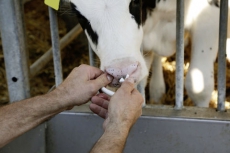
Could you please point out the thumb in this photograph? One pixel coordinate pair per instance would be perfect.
(103, 80)
(127, 86)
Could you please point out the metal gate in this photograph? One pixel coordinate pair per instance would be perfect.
(161, 128)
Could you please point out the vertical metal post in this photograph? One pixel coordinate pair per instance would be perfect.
(91, 56)
(141, 89)
(222, 54)
(14, 49)
(55, 46)
(141, 85)
(179, 54)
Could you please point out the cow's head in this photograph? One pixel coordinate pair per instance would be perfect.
(114, 30)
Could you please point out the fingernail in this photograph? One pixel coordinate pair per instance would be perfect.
(109, 77)
(131, 80)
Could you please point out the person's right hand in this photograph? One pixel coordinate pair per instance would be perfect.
(81, 85)
(124, 108)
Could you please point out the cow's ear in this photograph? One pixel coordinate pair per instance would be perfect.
(135, 10)
(85, 24)
(149, 3)
(147, 8)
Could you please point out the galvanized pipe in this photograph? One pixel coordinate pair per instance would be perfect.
(141, 85)
(56, 47)
(179, 54)
(222, 54)
(39, 64)
(14, 49)
(141, 89)
(91, 56)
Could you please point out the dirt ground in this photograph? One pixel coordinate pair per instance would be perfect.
(38, 42)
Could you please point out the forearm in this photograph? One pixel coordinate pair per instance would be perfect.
(113, 140)
(19, 117)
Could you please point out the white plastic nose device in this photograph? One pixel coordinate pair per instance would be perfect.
(109, 92)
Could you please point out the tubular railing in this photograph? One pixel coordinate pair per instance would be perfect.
(15, 53)
(222, 55)
(179, 54)
(11, 26)
(14, 48)
(56, 47)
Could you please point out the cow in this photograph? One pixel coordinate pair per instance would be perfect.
(118, 29)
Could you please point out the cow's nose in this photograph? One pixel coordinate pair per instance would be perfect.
(121, 72)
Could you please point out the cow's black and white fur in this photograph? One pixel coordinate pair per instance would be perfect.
(116, 29)
(116, 25)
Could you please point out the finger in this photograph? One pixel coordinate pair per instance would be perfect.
(104, 103)
(94, 72)
(98, 110)
(126, 87)
(102, 81)
(136, 92)
(104, 96)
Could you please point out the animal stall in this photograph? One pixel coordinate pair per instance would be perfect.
(160, 129)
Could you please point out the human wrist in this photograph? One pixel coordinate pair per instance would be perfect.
(118, 129)
(112, 140)
(58, 98)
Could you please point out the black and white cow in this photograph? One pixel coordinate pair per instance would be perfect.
(116, 30)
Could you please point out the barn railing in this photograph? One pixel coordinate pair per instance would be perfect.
(18, 72)
(14, 48)
(55, 47)
(180, 55)
(150, 133)
(15, 53)
(222, 55)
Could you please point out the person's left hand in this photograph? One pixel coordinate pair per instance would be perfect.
(82, 84)
(100, 104)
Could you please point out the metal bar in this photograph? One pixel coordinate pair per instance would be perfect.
(169, 112)
(56, 47)
(14, 48)
(180, 54)
(141, 89)
(44, 59)
(91, 56)
(222, 54)
(141, 85)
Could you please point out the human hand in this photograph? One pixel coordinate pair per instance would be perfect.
(124, 108)
(81, 84)
(100, 104)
